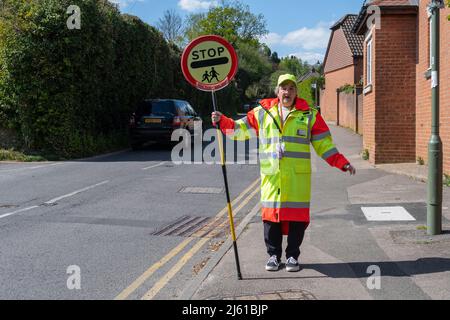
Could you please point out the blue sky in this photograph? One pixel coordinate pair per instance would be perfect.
(296, 27)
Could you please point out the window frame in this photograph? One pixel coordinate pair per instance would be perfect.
(369, 61)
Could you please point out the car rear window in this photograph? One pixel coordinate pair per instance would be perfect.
(163, 107)
(156, 107)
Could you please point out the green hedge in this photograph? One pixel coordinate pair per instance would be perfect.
(70, 92)
(306, 92)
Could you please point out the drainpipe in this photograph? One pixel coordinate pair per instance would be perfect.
(357, 110)
(337, 108)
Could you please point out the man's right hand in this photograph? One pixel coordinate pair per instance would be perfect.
(215, 117)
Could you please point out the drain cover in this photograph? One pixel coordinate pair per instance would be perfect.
(198, 227)
(8, 206)
(201, 190)
(277, 295)
(387, 214)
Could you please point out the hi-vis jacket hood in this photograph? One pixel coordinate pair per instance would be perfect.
(286, 182)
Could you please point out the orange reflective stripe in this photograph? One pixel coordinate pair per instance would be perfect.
(287, 214)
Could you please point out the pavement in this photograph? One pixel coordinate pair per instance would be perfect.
(344, 255)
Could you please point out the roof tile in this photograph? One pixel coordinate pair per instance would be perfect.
(355, 41)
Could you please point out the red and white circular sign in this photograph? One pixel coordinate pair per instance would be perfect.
(209, 63)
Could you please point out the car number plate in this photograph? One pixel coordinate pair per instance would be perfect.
(152, 120)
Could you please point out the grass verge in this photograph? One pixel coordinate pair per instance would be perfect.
(13, 155)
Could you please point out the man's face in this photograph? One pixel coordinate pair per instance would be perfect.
(287, 93)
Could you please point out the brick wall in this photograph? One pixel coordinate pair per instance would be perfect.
(333, 81)
(423, 93)
(339, 53)
(347, 111)
(349, 105)
(359, 70)
(445, 87)
(389, 110)
(361, 113)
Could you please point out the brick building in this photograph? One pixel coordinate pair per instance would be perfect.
(343, 65)
(389, 80)
(423, 83)
(397, 84)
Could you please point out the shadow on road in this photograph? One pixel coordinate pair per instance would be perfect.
(354, 270)
(163, 152)
(388, 268)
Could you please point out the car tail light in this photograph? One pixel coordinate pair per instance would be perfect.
(176, 122)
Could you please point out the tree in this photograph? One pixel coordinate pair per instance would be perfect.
(295, 66)
(70, 92)
(306, 92)
(448, 5)
(274, 58)
(231, 20)
(171, 26)
(254, 66)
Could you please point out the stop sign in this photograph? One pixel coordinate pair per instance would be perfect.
(209, 63)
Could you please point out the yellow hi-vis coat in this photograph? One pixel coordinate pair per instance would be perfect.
(286, 178)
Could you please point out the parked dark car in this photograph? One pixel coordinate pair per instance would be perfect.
(156, 119)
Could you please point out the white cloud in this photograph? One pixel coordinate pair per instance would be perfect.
(196, 5)
(271, 39)
(305, 38)
(125, 3)
(310, 57)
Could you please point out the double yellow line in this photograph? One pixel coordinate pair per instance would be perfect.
(175, 251)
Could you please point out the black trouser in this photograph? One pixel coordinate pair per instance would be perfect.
(273, 237)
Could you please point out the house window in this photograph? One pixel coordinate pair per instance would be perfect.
(369, 62)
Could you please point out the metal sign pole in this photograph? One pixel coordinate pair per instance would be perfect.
(224, 170)
(435, 172)
(215, 52)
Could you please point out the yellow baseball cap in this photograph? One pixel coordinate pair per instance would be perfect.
(287, 77)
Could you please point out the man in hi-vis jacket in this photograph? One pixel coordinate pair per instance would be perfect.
(286, 127)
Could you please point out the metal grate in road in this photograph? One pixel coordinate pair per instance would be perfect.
(8, 206)
(183, 227)
(199, 227)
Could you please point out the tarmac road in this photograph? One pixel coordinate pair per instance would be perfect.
(113, 227)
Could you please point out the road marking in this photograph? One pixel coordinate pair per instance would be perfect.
(32, 168)
(225, 210)
(244, 203)
(54, 200)
(18, 211)
(138, 282)
(156, 165)
(173, 271)
(76, 192)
